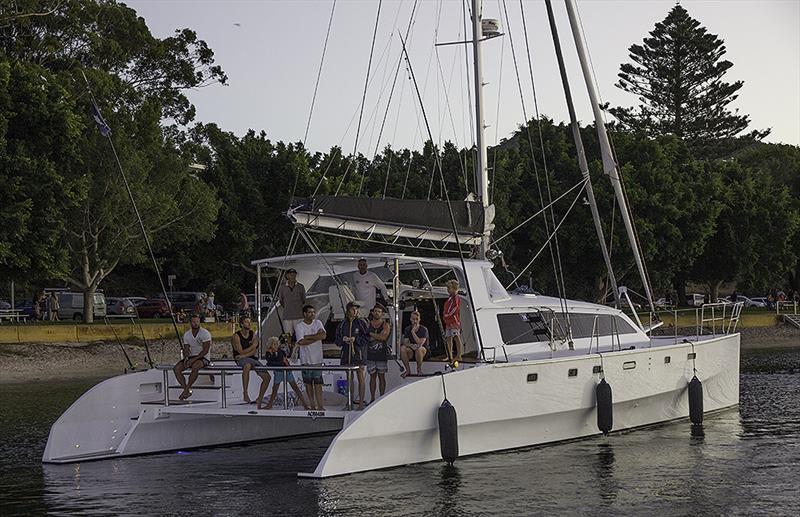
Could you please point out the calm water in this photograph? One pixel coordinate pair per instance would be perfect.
(747, 463)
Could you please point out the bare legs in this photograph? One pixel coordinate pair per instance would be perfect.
(196, 365)
(381, 378)
(406, 353)
(314, 391)
(246, 381)
(459, 346)
(274, 393)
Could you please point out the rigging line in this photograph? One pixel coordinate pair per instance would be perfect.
(544, 158)
(550, 236)
(141, 223)
(394, 136)
(394, 81)
(336, 150)
(364, 95)
(449, 206)
(526, 221)
(319, 72)
(452, 121)
(530, 144)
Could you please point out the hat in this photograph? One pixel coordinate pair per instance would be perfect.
(352, 304)
(380, 306)
(291, 270)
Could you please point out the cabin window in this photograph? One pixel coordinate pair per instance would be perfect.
(691, 355)
(533, 377)
(523, 327)
(629, 365)
(597, 369)
(573, 372)
(667, 360)
(533, 327)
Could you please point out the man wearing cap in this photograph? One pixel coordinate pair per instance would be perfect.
(365, 283)
(352, 336)
(292, 297)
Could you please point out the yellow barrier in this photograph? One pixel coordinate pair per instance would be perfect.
(33, 333)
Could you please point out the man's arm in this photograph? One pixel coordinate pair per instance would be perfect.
(302, 292)
(319, 336)
(383, 335)
(339, 338)
(381, 286)
(237, 345)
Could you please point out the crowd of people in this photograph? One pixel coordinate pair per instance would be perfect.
(363, 337)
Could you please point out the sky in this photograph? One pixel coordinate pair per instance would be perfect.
(271, 52)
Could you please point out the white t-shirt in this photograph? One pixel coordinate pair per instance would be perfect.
(309, 354)
(364, 288)
(196, 342)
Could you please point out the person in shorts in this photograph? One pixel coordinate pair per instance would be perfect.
(378, 350)
(414, 344)
(309, 333)
(451, 317)
(245, 351)
(275, 355)
(196, 352)
(352, 336)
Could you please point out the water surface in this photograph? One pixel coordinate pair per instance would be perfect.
(747, 463)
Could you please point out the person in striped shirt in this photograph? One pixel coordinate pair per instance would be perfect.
(451, 318)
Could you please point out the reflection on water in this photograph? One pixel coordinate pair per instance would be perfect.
(746, 463)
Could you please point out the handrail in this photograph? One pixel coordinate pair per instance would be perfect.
(225, 369)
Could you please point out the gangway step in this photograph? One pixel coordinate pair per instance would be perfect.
(792, 319)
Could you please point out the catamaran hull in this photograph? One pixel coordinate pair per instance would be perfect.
(511, 405)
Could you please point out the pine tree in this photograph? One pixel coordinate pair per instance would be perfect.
(677, 74)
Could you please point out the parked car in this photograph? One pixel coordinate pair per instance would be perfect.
(266, 301)
(120, 307)
(761, 300)
(748, 302)
(185, 300)
(153, 308)
(663, 303)
(695, 299)
(136, 300)
(71, 305)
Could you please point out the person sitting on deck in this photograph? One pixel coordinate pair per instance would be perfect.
(245, 350)
(452, 320)
(309, 333)
(277, 356)
(414, 345)
(378, 350)
(352, 336)
(196, 352)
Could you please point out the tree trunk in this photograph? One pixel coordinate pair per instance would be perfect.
(679, 284)
(88, 303)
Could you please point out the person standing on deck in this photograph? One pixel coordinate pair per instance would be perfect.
(292, 297)
(365, 283)
(451, 318)
(196, 353)
(245, 352)
(352, 336)
(309, 333)
(378, 350)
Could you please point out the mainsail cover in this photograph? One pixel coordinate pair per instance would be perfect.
(402, 218)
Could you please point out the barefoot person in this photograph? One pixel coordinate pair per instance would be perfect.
(245, 350)
(452, 320)
(196, 353)
(414, 345)
(352, 336)
(309, 333)
(277, 356)
(378, 350)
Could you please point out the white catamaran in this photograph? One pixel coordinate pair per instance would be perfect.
(536, 369)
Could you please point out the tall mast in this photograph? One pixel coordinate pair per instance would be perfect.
(609, 165)
(582, 164)
(481, 175)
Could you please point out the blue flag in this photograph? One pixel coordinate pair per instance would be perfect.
(98, 119)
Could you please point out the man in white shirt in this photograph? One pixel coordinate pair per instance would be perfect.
(196, 353)
(364, 284)
(309, 333)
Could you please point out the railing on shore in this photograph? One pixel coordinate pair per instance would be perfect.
(224, 371)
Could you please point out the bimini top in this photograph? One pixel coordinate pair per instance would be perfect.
(347, 261)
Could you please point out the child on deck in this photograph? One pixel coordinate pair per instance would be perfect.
(277, 356)
(452, 319)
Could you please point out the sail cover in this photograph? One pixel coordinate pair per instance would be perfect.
(398, 218)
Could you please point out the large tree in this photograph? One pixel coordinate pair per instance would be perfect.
(677, 74)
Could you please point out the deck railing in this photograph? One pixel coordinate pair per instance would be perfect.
(224, 371)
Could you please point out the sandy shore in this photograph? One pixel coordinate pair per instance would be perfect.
(19, 362)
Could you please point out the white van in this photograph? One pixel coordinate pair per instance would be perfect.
(71, 305)
(695, 299)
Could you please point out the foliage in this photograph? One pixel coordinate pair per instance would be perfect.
(677, 75)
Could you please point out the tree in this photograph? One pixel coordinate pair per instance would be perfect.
(677, 74)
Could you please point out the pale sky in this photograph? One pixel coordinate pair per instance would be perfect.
(271, 52)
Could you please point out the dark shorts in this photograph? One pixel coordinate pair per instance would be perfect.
(358, 357)
(312, 376)
(247, 360)
(186, 365)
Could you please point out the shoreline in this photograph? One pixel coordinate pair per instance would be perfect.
(101, 359)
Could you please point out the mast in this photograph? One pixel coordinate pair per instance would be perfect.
(582, 164)
(481, 175)
(609, 165)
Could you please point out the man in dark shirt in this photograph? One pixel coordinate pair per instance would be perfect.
(352, 335)
(292, 297)
(414, 344)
